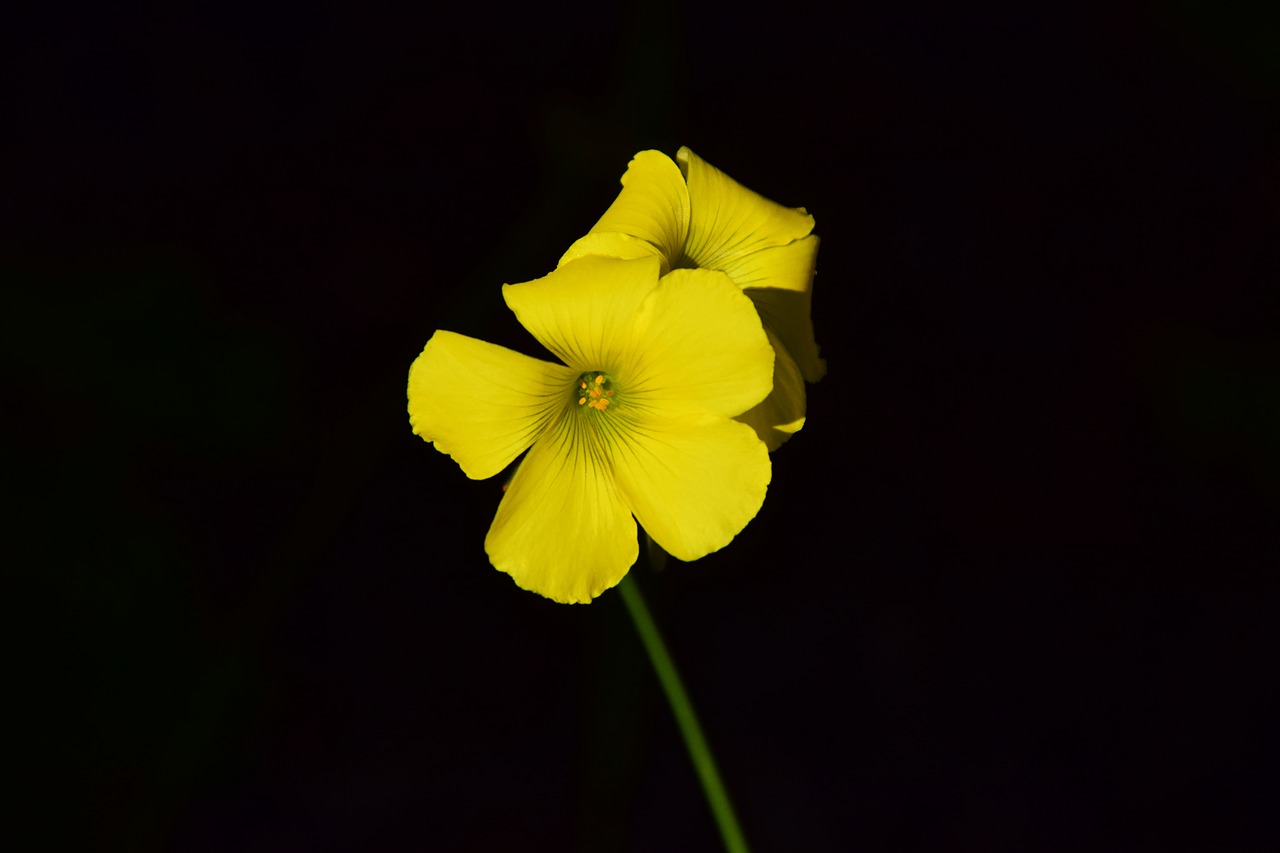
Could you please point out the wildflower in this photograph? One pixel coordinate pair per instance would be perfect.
(637, 421)
(693, 216)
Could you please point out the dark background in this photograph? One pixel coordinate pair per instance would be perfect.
(1013, 586)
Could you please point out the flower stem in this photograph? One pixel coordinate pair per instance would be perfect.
(694, 741)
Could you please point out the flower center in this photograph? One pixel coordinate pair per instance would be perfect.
(595, 390)
(684, 262)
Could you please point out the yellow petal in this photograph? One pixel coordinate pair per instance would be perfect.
(697, 346)
(727, 220)
(583, 311)
(789, 315)
(781, 414)
(653, 204)
(480, 403)
(693, 483)
(612, 245)
(562, 530)
(789, 267)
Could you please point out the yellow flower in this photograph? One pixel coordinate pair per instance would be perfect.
(638, 420)
(695, 216)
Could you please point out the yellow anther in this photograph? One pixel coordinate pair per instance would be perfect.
(596, 390)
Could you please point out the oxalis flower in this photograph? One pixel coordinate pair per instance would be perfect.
(637, 420)
(691, 215)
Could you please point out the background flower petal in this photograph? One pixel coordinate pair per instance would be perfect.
(562, 529)
(727, 220)
(788, 315)
(693, 483)
(789, 267)
(583, 311)
(612, 244)
(653, 204)
(697, 346)
(781, 414)
(481, 403)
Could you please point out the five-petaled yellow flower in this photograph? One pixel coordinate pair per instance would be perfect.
(695, 216)
(637, 421)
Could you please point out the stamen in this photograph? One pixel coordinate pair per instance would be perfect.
(596, 390)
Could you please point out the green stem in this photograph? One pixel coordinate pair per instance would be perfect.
(694, 741)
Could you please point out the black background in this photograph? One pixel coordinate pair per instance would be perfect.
(1013, 586)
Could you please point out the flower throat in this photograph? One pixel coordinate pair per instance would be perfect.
(595, 390)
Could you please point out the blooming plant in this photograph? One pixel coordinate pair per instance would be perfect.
(690, 215)
(681, 322)
(637, 420)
